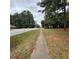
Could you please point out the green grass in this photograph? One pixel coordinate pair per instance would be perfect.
(58, 43)
(22, 45)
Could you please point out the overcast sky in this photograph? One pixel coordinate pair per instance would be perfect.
(31, 5)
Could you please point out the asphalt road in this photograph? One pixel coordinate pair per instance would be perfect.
(19, 31)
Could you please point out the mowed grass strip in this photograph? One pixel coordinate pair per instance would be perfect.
(58, 43)
(22, 45)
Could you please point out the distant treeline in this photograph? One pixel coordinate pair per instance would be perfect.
(24, 19)
(56, 22)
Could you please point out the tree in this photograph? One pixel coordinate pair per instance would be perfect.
(52, 9)
(22, 20)
(42, 22)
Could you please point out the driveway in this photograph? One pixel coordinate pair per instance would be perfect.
(19, 31)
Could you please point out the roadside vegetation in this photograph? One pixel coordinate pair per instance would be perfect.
(22, 45)
(57, 42)
(56, 13)
(24, 19)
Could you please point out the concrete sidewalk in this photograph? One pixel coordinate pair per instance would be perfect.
(41, 50)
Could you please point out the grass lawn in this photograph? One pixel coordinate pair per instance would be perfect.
(22, 45)
(58, 43)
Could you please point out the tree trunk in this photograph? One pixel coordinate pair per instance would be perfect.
(64, 14)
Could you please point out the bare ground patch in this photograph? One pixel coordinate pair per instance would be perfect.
(58, 43)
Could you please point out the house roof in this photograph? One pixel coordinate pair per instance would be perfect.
(12, 25)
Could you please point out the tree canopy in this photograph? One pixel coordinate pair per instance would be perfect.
(24, 19)
(56, 13)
